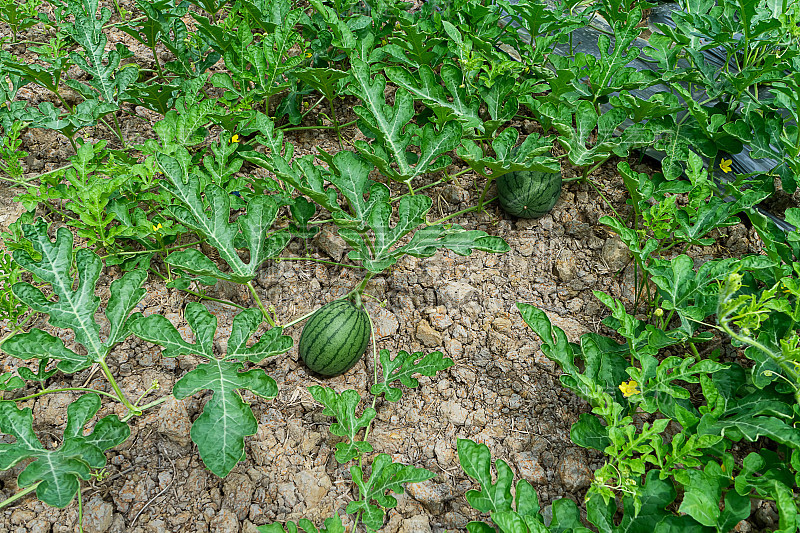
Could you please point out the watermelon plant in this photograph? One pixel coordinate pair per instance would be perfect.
(385, 474)
(409, 95)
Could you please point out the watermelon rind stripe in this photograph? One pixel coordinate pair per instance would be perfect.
(528, 194)
(349, 338)
(324, 319)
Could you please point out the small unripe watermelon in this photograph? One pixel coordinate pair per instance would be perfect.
(529, 194)
(335, 338)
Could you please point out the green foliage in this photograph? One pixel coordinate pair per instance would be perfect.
(11, 308)
(731, 413)
(511, 514)
(252, 228)
(10, 153)
(394, 132)
(427, 87)
(227, 419)
(343, 407)
(75, 308)
(575, 139)
(108, 80)
(366, 224)
(531, 155)
(258, 69)
(85, 189)
(20, 16)
(332, 525)
(403, 367)
(385, 476)
(57, 472)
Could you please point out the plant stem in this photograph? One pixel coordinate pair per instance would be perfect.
(119, 131)
(120, 395)
(483, 194)
(311, 108)
(324, 261)
(374, 371)
(150, 389)
(723, 322)
(17, 328)
(65, 389)
(358, 290)
(20, 494)
(293, 322)
(297, 128)
(147, 406)
(59, 169)
(158, 64)
(336, 124)
(211, 298)
(260, 304)
(141, 252)
(80, 507)
(434, 184)
(457, 213)
(694, 350)
(124, 23)
(596, 188)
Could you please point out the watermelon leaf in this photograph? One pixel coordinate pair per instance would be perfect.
(385, 476)
(395, 132)
(259, 68)
(365, 223)
(610, 73)
(301, 174)
(426, 85)
(343, 408)
(9, 381)
(185, 125)
(692, 295)
(403, 367)
(227, 419)
(532, 155)
(326, 80)
(252, 226)
(575, 139)
(74, 309)
(58, 471)
(332, 525)
(476, 460)
(106, 80)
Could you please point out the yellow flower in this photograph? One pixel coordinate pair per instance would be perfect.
(156, 228)
(309, 54)
(725, 165)
(235, 138)
(628, 388)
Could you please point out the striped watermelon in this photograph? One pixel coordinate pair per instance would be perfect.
(335, 338)
(528, 194)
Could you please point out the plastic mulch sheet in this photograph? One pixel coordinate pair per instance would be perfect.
(586, 40)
